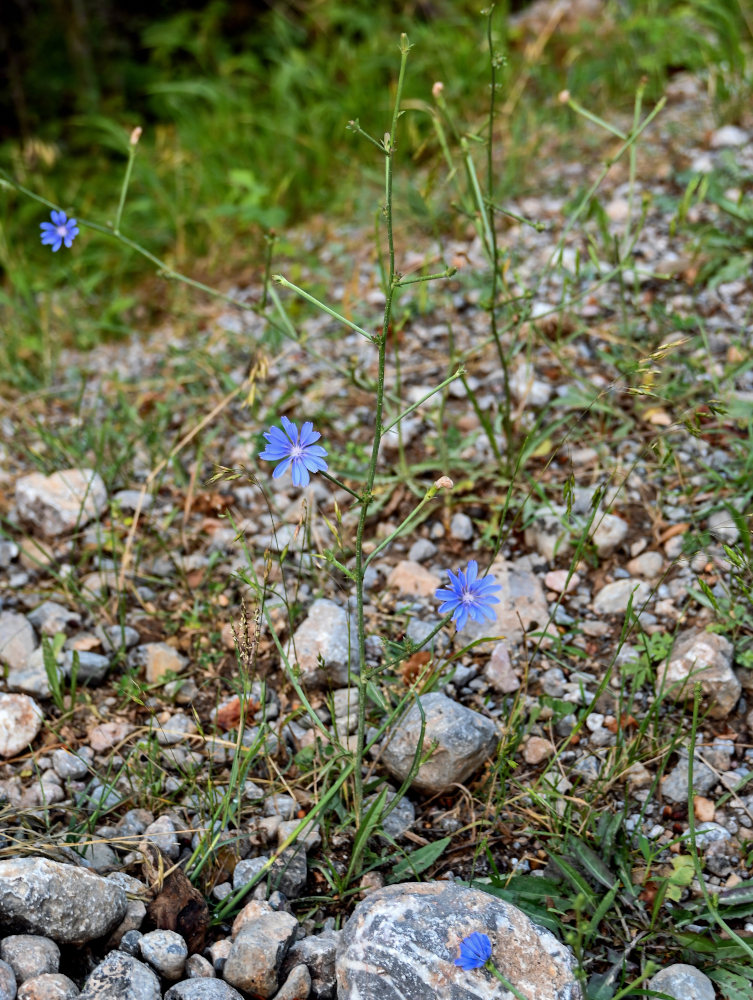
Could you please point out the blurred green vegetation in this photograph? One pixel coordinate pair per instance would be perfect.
(244, 111)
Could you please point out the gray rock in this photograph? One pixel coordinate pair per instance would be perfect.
(8, 552)
(609, 531)
(461, 527)
(30, 955)
(198, 967)
(675, 785)
(245, 870)
(202, 989)
(499, 672)
(548, 533)
(402, 817)
(317, 953)
(130, 942)
(683, 982)
(114, 638)
(522, 604)
(163, 835)
(17, 639)
(402, 941)
(421, 550)
(49, 618)
(7, 982)
(297, 986)
(613, 598)
(48, 986)
(68, 904)
(705, 657)
(69, 765)
(92, 667)
(20, 722)
(327, 636)
(462, 740)
(165, 951)
(727, 135)
(288, 873)
(122, 976)
(723, 527)
(53, 505)
(257, 953)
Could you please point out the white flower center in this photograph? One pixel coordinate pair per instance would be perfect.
(296, 451)
(62, 231)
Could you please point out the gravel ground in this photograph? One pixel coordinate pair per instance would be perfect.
(631, 397)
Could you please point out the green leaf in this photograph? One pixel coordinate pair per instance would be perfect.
(421, 859)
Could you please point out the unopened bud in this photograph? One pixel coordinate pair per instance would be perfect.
(135, 135)
(444, 483)
(437, 89)
(564, 96)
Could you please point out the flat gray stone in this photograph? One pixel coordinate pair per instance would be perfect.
(325, 646)
(68, 904)
(683, 982)
(53, 505)
(463, 740)
(402, 941)
(705, 657)
(297, 986)
(613, 599)
(121, 976)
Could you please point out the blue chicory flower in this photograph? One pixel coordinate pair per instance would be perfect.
(288, 446)
(61, 230)
(475, 951)
(467, 595)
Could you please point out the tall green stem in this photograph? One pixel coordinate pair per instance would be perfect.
(389, 150)
(492, 236)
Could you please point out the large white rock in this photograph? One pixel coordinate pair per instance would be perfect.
(53, 505)
(402, 941)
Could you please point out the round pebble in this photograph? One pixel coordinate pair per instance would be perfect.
(165, 951)
(50, 986)
(30, 955)
(461, 527)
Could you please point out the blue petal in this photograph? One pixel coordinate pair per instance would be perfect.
(308, 434)
(58, 218)
(461, 616)
(300, 473)
(282, 468)
(472, 572)
(290, 429)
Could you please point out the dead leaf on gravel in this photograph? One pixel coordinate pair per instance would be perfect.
(178, 906)
(229, 714)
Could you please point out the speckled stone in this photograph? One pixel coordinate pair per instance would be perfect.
(30, 955)
(49, 986)
(463, 740)
(402, 941)
(68, 904)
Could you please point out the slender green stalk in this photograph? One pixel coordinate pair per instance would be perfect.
(447, 273)
(321, 305)
(390, 145)
(505, 982)
(126, 181)
(414, 406)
